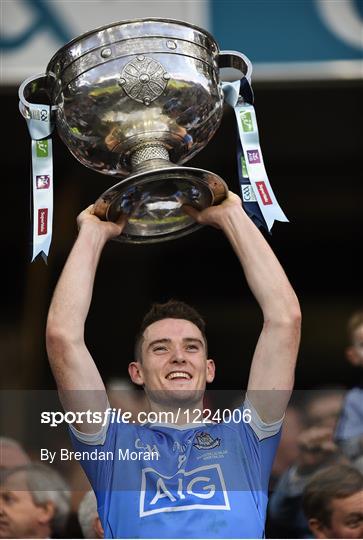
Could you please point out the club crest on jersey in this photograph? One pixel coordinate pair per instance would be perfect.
(200, 488)
(205, 441)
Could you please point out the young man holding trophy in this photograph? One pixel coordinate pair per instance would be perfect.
(196, 478)
(135, 100)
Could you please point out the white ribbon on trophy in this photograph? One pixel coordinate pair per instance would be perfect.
(40, 126)
(253, 160)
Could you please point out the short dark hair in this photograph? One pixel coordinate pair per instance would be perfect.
(335, 482)
(173, 309)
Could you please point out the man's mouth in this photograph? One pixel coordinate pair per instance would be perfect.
(180, 375)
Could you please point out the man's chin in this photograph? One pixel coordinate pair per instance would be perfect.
(5, 532)
(186, 398)
(176, 397)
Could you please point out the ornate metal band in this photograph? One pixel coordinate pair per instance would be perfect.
(108, 35)
(133, 47)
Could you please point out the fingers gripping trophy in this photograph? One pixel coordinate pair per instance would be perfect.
(135, 100)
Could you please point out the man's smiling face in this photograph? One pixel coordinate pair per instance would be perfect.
(174, 368)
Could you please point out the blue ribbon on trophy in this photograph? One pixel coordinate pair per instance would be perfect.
(258, 198)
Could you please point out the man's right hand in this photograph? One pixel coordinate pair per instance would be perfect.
(108, 229)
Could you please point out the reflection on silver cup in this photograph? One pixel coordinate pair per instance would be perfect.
(135, 100)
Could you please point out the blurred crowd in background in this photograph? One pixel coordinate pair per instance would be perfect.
(316, 488)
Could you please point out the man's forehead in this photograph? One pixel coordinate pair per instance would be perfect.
(172, 329)
(348, 505)
(16, 481)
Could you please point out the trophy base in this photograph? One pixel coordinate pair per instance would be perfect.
(153, 201)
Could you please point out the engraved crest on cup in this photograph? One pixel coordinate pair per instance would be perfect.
(144, 79)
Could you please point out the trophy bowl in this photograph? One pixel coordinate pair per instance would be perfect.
(135, 100)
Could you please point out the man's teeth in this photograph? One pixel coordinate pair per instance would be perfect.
(178, 375)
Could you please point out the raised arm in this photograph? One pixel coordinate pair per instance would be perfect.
(272, 371)
(79, 383)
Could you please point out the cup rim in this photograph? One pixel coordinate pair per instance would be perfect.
(128, 21)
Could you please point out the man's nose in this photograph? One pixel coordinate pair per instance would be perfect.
(178, 356)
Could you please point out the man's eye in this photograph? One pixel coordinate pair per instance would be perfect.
(160, 348)
(7, 497)
(352, 524)
(192, 347)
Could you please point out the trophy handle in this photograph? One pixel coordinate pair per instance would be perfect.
(240, 62)
(37, 90)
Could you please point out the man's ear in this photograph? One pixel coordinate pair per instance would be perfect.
(211, 370)
(317, 528)
(351, 356)
(97, 527)
(46, 513)
(135, 372)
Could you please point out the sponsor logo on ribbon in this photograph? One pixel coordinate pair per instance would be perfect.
(42, 221)
(42, 181)
(264, 194)
(40, 114)
(248, 195)
(253, 156)
(244, 167)
(42, 148)
(246, 120)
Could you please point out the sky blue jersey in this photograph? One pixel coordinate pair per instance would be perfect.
(200, 480)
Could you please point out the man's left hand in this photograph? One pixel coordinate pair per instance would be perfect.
(215, 215)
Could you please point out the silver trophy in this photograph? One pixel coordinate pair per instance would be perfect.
(135, 100)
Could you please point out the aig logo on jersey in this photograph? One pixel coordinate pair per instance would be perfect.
(201, 488)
